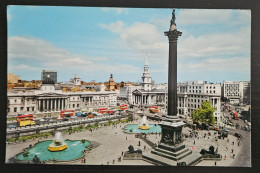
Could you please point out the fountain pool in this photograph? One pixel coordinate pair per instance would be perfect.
(74, 150)
(134, 128)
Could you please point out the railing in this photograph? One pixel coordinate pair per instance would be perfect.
(59, 124)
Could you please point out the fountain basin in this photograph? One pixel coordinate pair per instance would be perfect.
(134, 128)
(75, 150)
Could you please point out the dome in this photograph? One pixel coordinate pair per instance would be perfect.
(48, 81)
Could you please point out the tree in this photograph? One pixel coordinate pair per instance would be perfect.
(204, 114)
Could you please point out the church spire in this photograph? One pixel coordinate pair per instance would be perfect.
(146, 78)
(146, 60)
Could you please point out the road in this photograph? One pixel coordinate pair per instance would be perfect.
(58, 124)
(244, 157)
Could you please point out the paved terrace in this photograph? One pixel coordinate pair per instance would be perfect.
(109, 142)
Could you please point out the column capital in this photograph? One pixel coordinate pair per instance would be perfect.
(173, 35)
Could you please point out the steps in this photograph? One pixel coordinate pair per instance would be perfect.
(165, 156)
(171, 156)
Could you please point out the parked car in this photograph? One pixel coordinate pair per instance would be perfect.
(12, 126)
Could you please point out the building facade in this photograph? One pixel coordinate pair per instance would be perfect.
(13, 78)
(191, 94)
(49, 100)
(236, 91)
(51, 73)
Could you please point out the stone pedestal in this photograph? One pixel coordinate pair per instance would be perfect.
(171, 150)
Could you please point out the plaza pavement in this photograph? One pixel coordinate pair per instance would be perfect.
(109, 142)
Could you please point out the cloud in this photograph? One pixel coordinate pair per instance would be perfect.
(216, 44)
(23, 67)
(47, 55)
(141, 37)
(117, 10)
(206, 16)
(234, 64)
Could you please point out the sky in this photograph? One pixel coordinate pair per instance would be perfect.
(93, 42)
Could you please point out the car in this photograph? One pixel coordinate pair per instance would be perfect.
(238, 135)
(226, 130)
(12, 126)
(65, 119)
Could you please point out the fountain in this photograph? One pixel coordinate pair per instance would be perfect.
(75, 150)
(58, 143)
(144, 125)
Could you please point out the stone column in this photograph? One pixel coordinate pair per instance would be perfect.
(172, 35)
(58, 104)
(38, 105)
(54, 101)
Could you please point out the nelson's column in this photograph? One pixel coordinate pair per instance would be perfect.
(171, 149)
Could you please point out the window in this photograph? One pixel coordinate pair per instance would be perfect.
(15, 109)
(32, 108)
(73, 105)
(77, 105)
(28, 108)
(21, 108)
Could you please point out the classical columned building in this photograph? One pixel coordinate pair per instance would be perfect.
(49, 100)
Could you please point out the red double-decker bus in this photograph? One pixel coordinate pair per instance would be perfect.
(153, 109)
(123, 107)
(102, 110)
(67, 113)
(105, 110)
(25, 120)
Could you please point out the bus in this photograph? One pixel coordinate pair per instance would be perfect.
(235, 116)
(105, 110)
(25, 120)
(123, 107)
(67, 113)
(153, 109)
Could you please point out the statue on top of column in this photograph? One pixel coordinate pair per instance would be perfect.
(173, 24)
(173, 17)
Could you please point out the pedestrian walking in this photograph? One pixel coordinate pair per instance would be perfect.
(232, 150)
(144, 147)
(215, 163)
(194, 142)
(84, 160)
(122, 153)
(225, 156)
